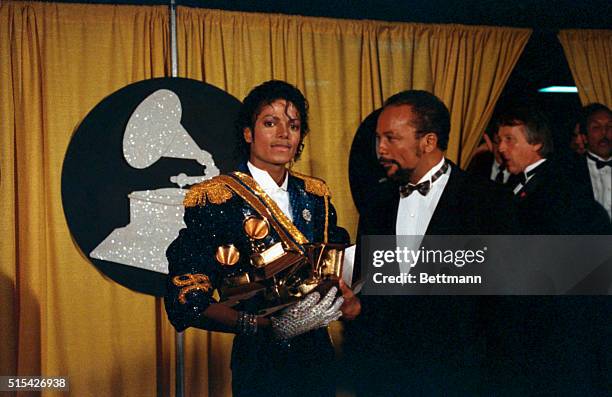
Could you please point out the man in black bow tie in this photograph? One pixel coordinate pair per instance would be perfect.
(435, 196)
(595, 168)
(423, 345)
(560, 342)
(548, 201)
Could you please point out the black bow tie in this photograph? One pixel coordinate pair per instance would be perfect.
(600, 163)
(423, 187)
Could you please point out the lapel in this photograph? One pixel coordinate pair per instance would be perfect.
(585, 174)
(537, 180)
(446, 219)
(384, 216)
(512, 182)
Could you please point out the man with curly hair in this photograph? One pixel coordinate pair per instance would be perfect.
(232, 217)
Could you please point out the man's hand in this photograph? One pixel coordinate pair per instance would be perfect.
(352, 305)
(310, 313)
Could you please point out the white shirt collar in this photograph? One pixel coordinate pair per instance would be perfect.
(432, 171)
(265, 180)
(533, 165)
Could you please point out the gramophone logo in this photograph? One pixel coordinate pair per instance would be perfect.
(129, 165)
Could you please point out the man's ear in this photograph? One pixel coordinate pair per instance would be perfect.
(536, 147)
(430, 142)
(248, 135)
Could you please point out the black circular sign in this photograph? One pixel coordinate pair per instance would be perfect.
(365, 172)
(117, 169)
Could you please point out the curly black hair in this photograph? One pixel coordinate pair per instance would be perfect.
(263, 95)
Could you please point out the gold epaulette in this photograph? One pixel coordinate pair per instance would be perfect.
(213, 190)
(313, 185)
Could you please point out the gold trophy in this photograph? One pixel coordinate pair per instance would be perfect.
(279, 277)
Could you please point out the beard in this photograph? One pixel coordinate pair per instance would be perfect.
(402, 175)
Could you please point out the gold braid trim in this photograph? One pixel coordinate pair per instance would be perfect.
(191, 282)
(213, 190)
(271, 208)
(313, 185)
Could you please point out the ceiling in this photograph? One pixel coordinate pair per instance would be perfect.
(551, 14)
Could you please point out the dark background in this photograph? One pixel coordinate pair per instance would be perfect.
(541, 64)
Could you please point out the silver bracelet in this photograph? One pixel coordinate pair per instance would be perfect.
(246, 324)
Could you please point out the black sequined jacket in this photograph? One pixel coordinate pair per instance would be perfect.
(215, 212)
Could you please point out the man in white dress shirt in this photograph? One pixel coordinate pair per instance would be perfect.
(548, 200)
(231, 218)
(596, 127)
(560, 341)
(424, 345)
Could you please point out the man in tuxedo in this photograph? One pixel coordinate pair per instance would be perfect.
(548, 200)
(595, 167)
(548, 344)
(423, 345)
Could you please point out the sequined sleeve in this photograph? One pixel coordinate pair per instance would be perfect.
(193, 272)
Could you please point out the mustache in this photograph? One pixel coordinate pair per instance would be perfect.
(402, 175)
(384, 160)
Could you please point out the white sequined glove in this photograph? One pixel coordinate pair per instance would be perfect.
(309, 314)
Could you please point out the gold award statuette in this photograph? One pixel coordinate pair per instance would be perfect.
(326, 259)
(326, 262)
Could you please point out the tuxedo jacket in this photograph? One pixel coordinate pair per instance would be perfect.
(563, 342)
(553, 202)
(583, 175)
(423, 343)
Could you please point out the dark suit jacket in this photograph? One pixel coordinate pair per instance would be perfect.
(554, 203)
(427, 345)
(552, 344)
(582, 174)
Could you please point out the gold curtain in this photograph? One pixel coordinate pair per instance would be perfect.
(59, 315)
(346, 69)
(589, 54)
(57, 61)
